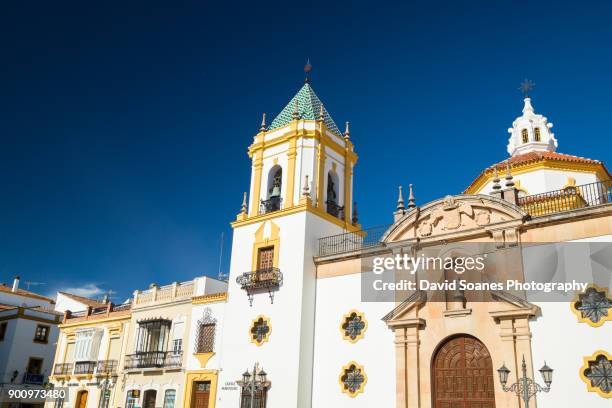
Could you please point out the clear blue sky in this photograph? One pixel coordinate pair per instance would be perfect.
(125, 126)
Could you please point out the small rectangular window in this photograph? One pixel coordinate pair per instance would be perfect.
(42, 334)
(177, 346)
(3, 327)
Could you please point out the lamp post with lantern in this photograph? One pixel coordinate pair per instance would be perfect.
(254, 383)
(525, 388)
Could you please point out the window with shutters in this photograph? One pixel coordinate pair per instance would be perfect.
(524, 135)
(265, 258)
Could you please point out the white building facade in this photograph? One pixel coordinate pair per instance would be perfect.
(28, 334)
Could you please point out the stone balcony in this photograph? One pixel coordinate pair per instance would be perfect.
(163, 294)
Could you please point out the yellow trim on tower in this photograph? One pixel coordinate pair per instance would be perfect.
(303, 206)
(196, 376)
(586, 320)
(291, 155)
(361, 387)
(319, 134)
(262, 242)
(348, 173)
(257, 169)
(584, 378)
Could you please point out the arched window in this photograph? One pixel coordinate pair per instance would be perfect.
(524, 135)
(333, 195)
(274, 188)
(537, 136)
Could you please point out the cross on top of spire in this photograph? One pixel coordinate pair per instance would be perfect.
(307, 70)
(526, 86)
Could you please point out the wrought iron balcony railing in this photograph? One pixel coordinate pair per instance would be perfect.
(154, 359)
(36, 379)
(84, 367)
(106, 367)
(351, 241)
(269, 205)
(567, 199)
(551, 202)
(261, 280)
(62, 369)
(334, 209)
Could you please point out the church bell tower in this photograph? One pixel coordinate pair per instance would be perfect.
(301, 189)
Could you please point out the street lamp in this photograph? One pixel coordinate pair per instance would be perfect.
(106, 384)
(253, 383)
(525, 388)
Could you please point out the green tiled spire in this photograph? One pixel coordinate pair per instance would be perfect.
(309, 107)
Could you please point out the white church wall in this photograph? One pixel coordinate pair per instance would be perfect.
(336, 296)
(562, 341)
(280, 355)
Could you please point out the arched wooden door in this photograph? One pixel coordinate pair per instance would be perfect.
(81, 401)
(463, 374)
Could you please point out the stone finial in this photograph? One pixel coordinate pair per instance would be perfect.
(243, 207)
(411, 201)
(400, 199)
(262, 128)
(321, 113)
(296, 113)
(509, 181)
(355, 219)
(306, 188)
(347, 131)
(496, 185)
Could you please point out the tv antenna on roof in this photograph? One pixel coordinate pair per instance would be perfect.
(220, 275)
(32, 283)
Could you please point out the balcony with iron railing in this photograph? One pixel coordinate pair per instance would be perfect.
(154, 359)
(270, 205)
(84, 367)
(105, 367)
(34, 379)
(63, 369)
(567, 199)
(262, 280)
(560, 201)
